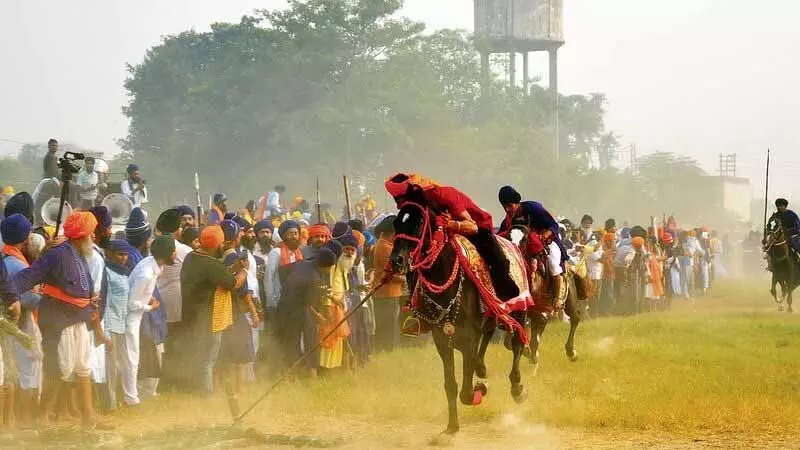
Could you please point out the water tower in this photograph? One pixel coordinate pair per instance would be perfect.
(521, 26)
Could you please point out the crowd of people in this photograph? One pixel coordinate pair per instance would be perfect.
(194, 303)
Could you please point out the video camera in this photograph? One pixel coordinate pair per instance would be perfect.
(66, 165)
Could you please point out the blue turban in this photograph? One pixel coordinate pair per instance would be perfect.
(230, 229)
(185, 210)
(132, 168)
(102, 215)
(263, 225)
(348, 240)
(15, 229)
(335, 247)
(119, 245)
(286, 226)
(340, 229)
(242, 222)
(20, 203)
(324, 257)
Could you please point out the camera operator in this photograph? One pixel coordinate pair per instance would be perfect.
(50, 163)
(134, 187)
(87, 181)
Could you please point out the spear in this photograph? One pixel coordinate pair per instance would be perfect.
(319, 205)
(347, 197)
(766, 196)
(197, 193)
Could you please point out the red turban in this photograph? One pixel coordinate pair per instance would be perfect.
(79, 225)
(319, 229)
(360, 238)
(667, 238)
(211, 237)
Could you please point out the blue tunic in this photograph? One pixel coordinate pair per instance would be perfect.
(534, 216)
(64, 268)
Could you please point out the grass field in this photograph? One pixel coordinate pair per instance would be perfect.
(719, 373)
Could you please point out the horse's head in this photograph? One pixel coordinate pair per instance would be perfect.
(774, 232)
(518, 235)
(412, 231)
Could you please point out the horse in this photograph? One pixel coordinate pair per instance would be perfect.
(450, 303)
(545, 298)
(783, 263)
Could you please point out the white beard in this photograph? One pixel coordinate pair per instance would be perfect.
(347, 262)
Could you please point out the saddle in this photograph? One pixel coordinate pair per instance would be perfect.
(473, 267)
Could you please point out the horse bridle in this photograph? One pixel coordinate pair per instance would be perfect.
(421, 260)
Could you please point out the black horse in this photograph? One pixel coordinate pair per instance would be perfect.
(449, 303)
(545, 309)
(782, 261)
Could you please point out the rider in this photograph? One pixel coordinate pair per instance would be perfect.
(458, 214)
(789, 221)
(538, 220)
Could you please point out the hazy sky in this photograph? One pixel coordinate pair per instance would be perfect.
(698, 77)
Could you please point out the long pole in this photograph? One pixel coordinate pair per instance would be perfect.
(200, 214)
(347, 198)
(766, 196)
(319, 205)
(239, 417)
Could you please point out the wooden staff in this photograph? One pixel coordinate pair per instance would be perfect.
(319, 205)
(766, 196)
(347, 198)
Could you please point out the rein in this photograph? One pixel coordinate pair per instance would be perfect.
(422, 260)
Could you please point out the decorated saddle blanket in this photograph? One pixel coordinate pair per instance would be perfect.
(477, 271)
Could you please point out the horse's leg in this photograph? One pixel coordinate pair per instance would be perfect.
(487, 331)
(574, 313)
(538, 325)
(789, 300)
(518, 391)
(469, 353)
(450, 384)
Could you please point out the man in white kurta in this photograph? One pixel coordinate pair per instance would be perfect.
(142, 284)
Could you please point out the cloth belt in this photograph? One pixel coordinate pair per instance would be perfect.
(58, 294)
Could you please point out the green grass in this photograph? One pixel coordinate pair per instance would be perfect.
(727, 364)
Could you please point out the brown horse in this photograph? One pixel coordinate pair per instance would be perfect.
(450, 304)
(545, 298)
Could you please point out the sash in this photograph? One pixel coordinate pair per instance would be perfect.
(58, 294)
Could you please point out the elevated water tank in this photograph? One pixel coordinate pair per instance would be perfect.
(518, 25)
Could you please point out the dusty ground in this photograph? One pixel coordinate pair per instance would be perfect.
(720, 373)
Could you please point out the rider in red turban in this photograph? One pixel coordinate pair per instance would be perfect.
(456, 213)
(79, 225)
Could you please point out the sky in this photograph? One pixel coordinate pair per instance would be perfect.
(696, 77)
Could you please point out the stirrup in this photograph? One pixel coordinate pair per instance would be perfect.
(412, 327)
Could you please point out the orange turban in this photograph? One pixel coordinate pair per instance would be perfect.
(79, 225)
(637, 242)
(211, 237)
(609, 237)
(360, 238)
(397, 185)
(318, 230)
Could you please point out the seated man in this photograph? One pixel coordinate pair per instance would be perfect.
(458, 214)
(789, 221)
(539, 221)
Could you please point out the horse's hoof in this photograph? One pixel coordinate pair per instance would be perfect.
(780, 308)
(572, 355)
(535, 370)
(519, 395)
(790, 309)
(451, 429)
